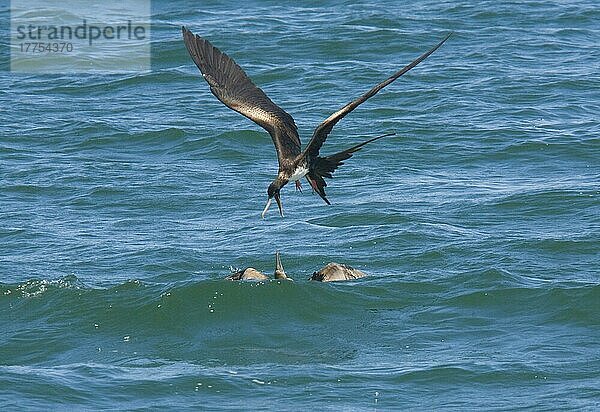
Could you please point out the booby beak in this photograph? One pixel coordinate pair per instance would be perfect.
(278, 200)
(278, 265)
(279, 272)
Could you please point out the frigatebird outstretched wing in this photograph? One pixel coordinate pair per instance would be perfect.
(322, 131)
(234, 89)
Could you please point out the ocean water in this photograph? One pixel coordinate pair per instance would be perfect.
(125, 199)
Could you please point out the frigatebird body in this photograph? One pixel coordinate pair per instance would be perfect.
(230, 84)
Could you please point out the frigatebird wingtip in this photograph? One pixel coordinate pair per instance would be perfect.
(446, 37)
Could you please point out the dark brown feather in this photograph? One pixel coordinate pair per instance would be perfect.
(234, 89)
(325, 166)
(322, 131)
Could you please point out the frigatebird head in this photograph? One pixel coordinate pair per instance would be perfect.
(273, 192)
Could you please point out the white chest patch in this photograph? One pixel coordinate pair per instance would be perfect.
(299, 173)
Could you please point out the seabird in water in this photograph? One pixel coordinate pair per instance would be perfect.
(247, 274)
(279, 272)
(253, 274)
(233, 87)
(334, 272)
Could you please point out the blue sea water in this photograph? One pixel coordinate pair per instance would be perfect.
(125, 199)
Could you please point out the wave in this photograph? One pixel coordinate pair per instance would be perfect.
(193, 304)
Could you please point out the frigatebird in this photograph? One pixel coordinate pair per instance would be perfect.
(230, 84)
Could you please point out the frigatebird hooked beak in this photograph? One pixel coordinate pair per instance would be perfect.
(233, 87)
(273, 192)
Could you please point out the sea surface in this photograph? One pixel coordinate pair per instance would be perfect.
(125, 199)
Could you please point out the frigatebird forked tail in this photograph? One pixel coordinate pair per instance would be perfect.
(325, 166)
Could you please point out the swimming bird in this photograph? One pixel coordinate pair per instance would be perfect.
(247, 274)
(334, 272)
(230, 84)
(279, 272)
(253, 274)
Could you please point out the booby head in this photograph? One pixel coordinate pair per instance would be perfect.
(273, 192)
(279, 272)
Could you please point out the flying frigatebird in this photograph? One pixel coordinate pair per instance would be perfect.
(234, 89)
